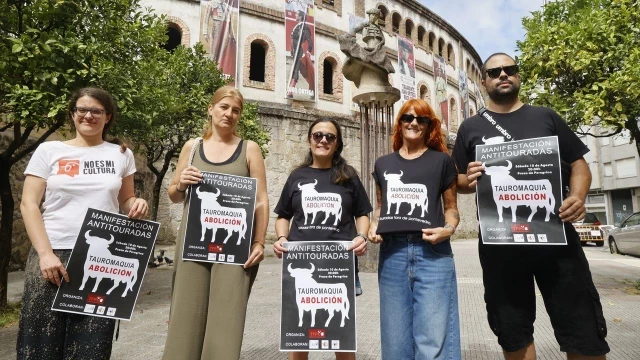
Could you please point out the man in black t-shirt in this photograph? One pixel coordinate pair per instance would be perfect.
(561, 272)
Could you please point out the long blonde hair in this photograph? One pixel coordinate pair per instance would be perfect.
(221, 93)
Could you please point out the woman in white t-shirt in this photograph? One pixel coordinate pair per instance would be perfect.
(71, 175)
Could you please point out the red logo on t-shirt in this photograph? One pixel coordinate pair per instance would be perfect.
(69, 167)
(317, 333)
(95, 299)
(215, 248)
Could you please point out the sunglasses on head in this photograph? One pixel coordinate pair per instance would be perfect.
(317, 137)
(510, 70)
(408, 118)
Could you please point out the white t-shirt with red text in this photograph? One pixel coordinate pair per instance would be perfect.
(78, 178)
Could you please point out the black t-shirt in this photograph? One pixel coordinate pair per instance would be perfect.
(525, 123)
(321, 210)
(412, 190)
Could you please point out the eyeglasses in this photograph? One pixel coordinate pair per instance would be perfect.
(317, 137)
(83, 111)
(509, 70)
(408, 118)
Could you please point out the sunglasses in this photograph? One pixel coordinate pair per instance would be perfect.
(408, 118)
(317, 137)
(509, 70)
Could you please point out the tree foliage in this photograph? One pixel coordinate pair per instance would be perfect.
(170, 107)
(582, 58)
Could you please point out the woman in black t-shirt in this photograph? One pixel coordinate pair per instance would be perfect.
(323, 171)
(416, 273)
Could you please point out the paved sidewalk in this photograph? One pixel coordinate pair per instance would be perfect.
(144, 336)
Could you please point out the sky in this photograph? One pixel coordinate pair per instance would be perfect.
(489, 25)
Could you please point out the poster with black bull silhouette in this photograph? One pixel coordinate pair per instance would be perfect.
(318, 297)
(107, 265)
(220, 219)
(519, 193)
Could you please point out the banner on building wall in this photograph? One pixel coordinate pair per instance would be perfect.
(219, 22)
(407, 68)
(520, 193)
(464, 94)
(107, 265)
(442, 105)
(299, 22)
(220, 219)
(318, 297)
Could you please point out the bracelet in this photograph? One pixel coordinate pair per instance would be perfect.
(259, 242)
(180, 191)
(282, 236)
(363, 236)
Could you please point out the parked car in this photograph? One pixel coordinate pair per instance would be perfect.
(589, 229)
(625, 238)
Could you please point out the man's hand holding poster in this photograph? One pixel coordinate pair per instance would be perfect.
(111, 253)
(318, 298)
(519, 193)
(220, 219)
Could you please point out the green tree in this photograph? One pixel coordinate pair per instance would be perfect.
(582, 58)
(48, 48)
(170, 107)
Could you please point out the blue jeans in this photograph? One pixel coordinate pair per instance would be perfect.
(418, 299)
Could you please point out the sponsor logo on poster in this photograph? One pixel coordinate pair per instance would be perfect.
(212, 257)
(335, 344)
(317, 333)
(100, 310)
(520, 228)
(531, 238)
(325, 344)
(111, 311)
(221, 257)
(216, 248)
(95, 299)
(314, 344)
(542, 237)
(89, 308)
(230, 258)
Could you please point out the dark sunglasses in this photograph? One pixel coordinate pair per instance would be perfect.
(509, 70)
(317, 137)
(408, 118)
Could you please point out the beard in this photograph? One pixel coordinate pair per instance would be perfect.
(504, 96)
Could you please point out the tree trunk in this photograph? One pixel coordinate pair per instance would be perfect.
(155, 202)
(6, 228)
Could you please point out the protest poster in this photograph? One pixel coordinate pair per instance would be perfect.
(407, 68)
(219, 33)
(107, 265)
(318, 297)
(219, 225)
(440, 77)
(520, 192)
(300, 50)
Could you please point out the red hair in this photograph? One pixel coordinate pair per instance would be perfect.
(434, 139)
